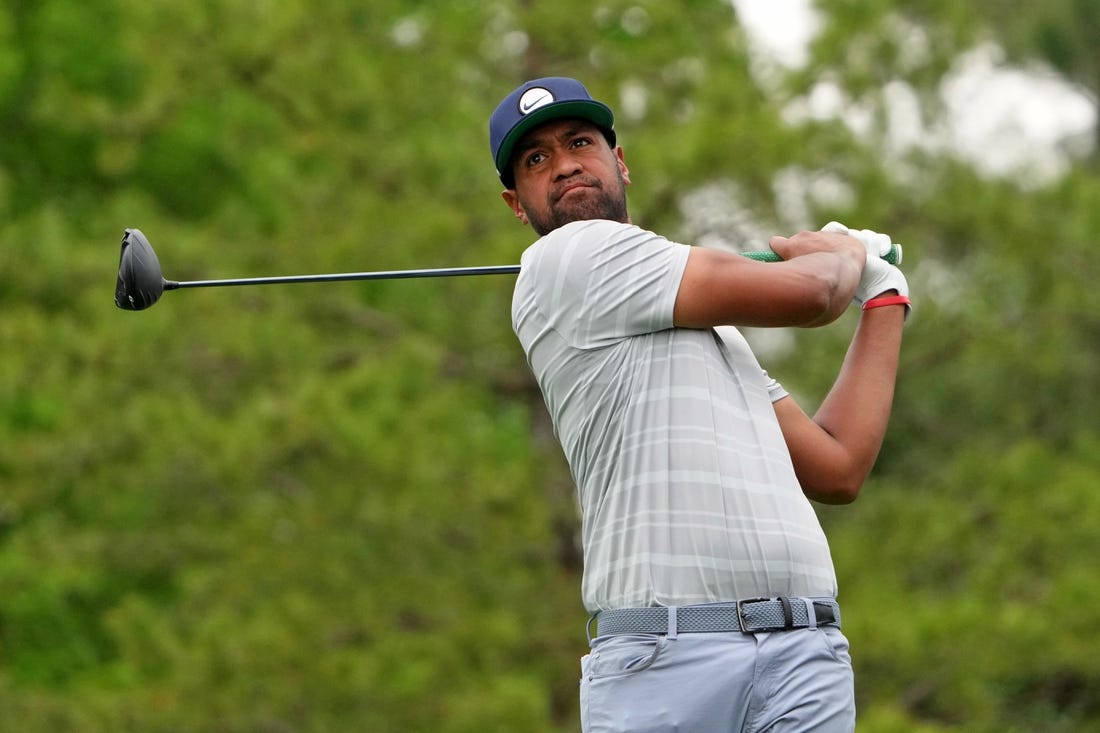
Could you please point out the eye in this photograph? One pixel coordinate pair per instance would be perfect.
(534, 159)
(580, 142)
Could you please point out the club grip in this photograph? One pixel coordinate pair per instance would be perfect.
(893, 256)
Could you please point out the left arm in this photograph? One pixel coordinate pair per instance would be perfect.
(835, 450)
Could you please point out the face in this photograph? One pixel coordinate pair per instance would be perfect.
(565, 171)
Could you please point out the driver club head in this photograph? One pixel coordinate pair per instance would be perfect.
(140, 282)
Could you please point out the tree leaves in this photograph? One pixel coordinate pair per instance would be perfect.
(333, 507)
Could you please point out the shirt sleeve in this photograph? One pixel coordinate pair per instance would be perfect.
(775, 389)
(597, 282)
(737, 347)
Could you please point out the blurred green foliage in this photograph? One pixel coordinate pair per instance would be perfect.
(340, 507)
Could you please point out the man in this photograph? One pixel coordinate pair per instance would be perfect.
(705, 568)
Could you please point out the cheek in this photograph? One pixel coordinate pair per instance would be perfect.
(529, 196)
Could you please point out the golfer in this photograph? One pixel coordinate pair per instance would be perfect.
(706, 571)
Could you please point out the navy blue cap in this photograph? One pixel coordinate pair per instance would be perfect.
(536, 102)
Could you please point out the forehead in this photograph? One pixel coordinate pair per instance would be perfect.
(555, 130)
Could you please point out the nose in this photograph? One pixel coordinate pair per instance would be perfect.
(565, 165)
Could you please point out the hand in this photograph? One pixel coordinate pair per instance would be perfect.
(877, 245)
(878, 276)
(809, 242)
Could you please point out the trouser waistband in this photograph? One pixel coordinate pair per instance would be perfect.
(748, 616)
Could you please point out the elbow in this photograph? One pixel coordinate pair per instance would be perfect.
(838, 486)
(835, 494)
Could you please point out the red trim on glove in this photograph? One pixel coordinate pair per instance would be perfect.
(886, 300)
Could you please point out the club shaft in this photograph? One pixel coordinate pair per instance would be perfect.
(346, 276)
(893, 257)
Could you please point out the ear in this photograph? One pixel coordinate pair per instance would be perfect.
(622, 165)
(510, 198)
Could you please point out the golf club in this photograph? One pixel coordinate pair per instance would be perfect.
(141, 282)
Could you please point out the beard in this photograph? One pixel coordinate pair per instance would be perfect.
(592, 202)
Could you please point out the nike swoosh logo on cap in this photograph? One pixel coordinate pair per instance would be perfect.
(529, 101)
(528, 106)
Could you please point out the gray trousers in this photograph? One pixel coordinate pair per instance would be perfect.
(724, 682)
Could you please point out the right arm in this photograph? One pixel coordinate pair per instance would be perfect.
(812, 286)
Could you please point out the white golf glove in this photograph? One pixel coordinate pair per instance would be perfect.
(878, 275)
(876, 244)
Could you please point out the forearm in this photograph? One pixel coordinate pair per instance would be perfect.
(812, 289)
(835, 450)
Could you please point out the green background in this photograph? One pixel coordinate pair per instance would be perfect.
(341, 507)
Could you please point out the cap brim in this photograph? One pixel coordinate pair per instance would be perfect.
(597, 113)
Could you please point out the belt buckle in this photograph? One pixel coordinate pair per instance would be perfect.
(826, 614)
(741, 615)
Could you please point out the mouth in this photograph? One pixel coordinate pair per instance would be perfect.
(572, 186)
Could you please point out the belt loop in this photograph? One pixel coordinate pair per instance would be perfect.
(811, 613)
(672, 631)
(788, 616)
(588, 626)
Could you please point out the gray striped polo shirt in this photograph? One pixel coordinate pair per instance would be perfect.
(685, 485)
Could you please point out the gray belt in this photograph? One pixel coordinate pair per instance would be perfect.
(748, 616)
